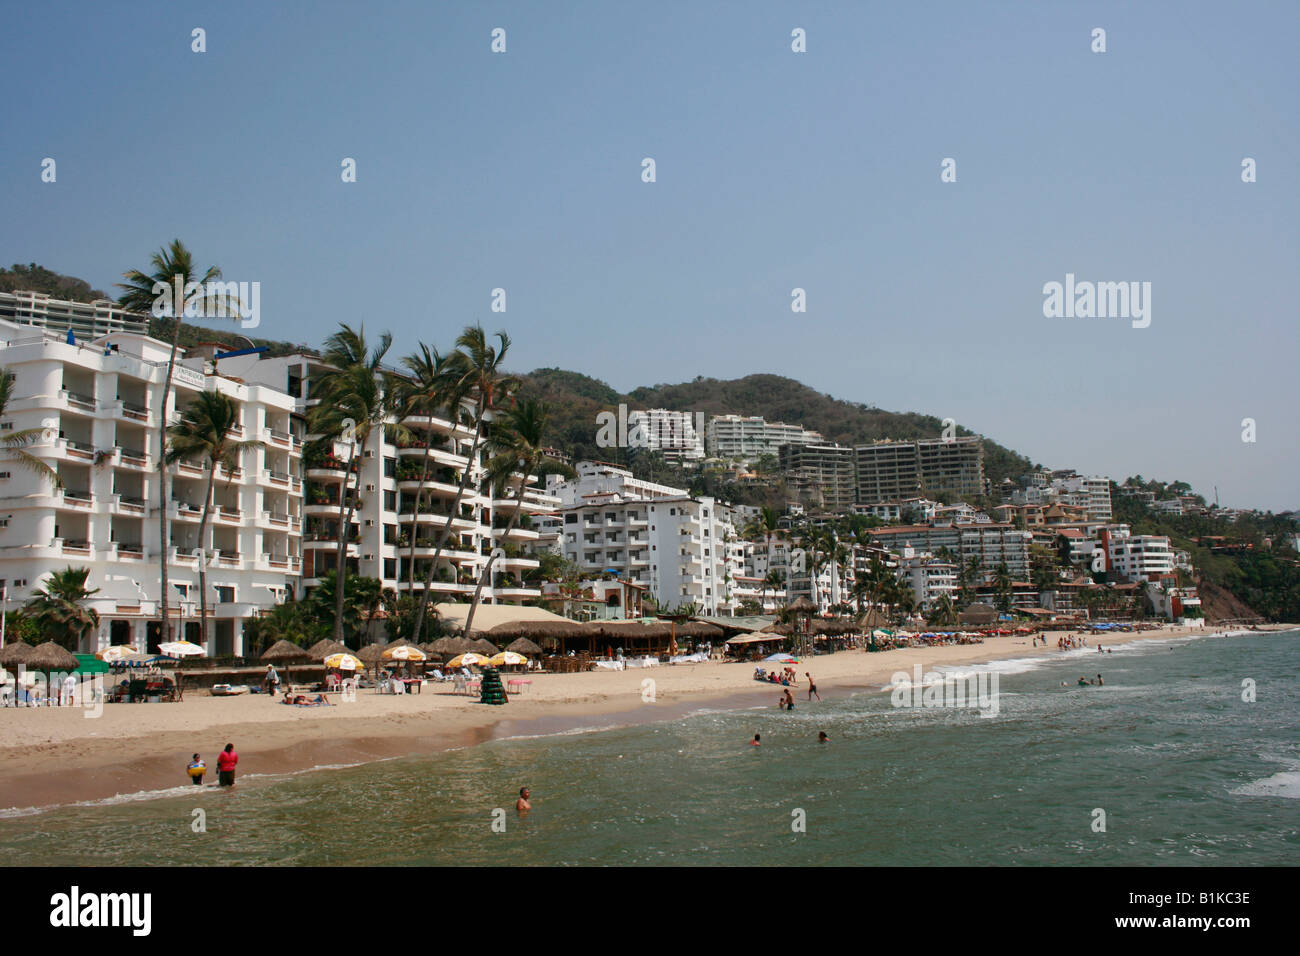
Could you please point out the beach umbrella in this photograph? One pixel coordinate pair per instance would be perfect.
(507, 657)
(117, 652)
(469, 659)
(782, 658)
(182, 649)
(343, 662)
(403, 652)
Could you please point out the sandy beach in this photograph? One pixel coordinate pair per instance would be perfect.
(59, 756)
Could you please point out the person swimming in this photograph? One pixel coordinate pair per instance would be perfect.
(822, 738)
(756, 741)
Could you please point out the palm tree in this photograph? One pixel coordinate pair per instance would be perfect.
(518, 451)
(432, 389)
(774, 580)
(477, 370)
(16, 442)
(173, 267)
(56, 611)
(356, 399)
(1002, 583)
(944, 612)
(206, 431)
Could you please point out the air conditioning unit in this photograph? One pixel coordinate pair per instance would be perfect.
(370, 454)
(370, 522)
(370, 487)
(367, 557)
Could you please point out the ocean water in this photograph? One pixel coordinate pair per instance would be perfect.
(1184, 770)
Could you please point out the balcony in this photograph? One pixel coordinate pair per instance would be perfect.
(78, 499)
(280, 562)
(131, 551)
(76, 547)
(228, 514)
(79, 401)
(281, 479)
(229, 559)
(279, 519)
(129, 504)
(133, 458)
(134, 412)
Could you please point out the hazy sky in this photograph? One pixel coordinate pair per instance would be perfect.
(775, 170)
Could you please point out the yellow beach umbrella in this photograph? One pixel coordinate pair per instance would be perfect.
(465, 660)
(344, 662)
(404, 652)
(508, 657)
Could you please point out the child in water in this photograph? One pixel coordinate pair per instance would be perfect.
(196, 770)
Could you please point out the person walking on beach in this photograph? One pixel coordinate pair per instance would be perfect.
(226, 761)
(812, 687)
(522, 805)
(272, 679)
(196, 769)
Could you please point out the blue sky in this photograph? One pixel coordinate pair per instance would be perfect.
(775, 170)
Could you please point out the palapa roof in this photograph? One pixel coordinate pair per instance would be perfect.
(51, 657)
(450, 646)
(484, 646)
(524, 646)
(285, 651)
(15, 652)
(626, 629)
(538, 629)
(323, 649)
(802, 605)
(751, 623)
(371, 653)
(699, 629)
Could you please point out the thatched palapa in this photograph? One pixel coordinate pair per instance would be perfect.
(50, 657)
(15, 653)
(285, 652)
(524, 646)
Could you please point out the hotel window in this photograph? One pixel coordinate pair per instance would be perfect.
(225, 595)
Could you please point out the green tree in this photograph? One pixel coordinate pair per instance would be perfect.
(153, 293)
(357, 397)
(292, 621)
(517, 447)
(56, 610)
(478, 371)
(433, 389)
(362, 598)
(206, 431)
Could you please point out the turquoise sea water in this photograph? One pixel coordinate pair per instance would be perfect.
(1186, 772)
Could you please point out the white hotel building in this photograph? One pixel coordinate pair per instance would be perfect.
(97, 401)
(389, 475)
(683, 548)
(749, 438)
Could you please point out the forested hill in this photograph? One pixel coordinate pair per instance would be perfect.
(576, 399)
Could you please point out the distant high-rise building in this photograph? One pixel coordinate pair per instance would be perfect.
(892, 471)
(86, 320)
(820, 474)
(751, 437)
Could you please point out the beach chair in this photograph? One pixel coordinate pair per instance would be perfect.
(460, 682)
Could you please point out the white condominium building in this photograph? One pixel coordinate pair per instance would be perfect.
(685, 549)
(929, 578)
(749, 438)
(1137, 557)
(98, 404)
(386, 523)
(86, 320)
(674, 434)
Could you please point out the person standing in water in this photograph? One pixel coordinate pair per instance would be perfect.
(522, 805)
(812, 687)
(226, 761)
(822, 738)
(196, 769)
(755, 741)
